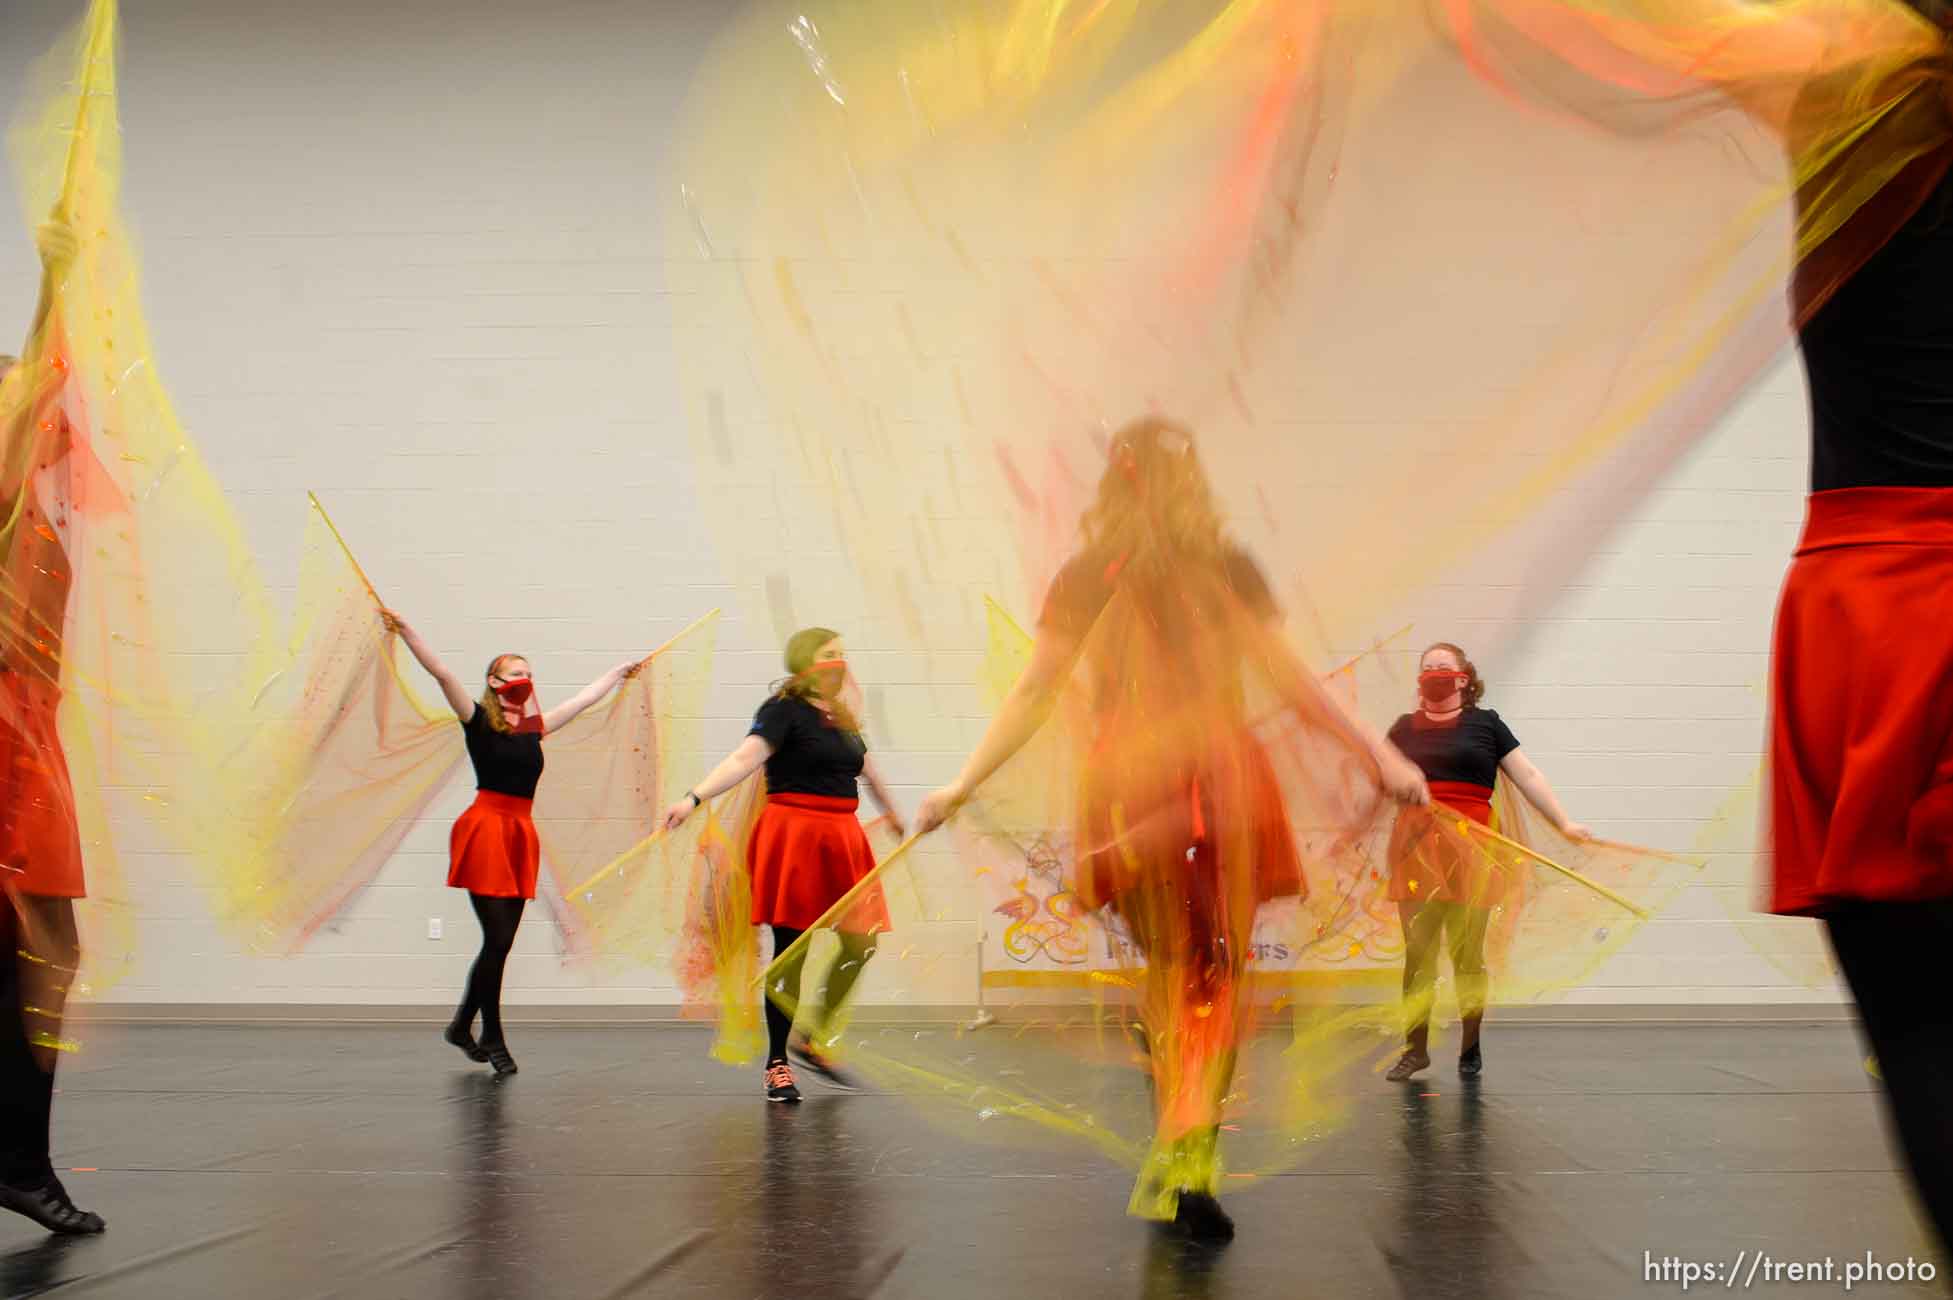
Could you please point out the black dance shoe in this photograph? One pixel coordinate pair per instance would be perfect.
(1201, 1218)
(498, 1056)
(49, 1206)
(465, 1041)
(1471, 1062)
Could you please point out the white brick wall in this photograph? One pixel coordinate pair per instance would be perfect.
(411, 257)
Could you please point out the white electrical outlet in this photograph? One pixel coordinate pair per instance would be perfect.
(433, 927)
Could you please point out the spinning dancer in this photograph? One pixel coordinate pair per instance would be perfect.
(40, 844)
(1183, 829)
(1861, 746)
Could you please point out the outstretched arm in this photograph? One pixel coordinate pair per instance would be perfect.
(457, 694)
(1533, 784)
(735, 767)
(879, 790)
(1025, 709)
(589, 695)
(1300, 687)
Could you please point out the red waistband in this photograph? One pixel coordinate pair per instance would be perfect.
(514, 803)
(1877, 516)
(819, 803)
(1467, 797)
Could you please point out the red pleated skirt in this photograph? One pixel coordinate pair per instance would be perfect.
(40, 844)
(806, 852)
(493, 848)
(1426, 864)
(1861, 734)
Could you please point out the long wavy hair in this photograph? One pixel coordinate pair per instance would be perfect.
(1155, 507)
(802, 646)
(491, 703)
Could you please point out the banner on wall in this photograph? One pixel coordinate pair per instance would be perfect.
(1036, 933)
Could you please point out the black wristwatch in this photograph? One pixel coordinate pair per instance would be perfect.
(693, 796)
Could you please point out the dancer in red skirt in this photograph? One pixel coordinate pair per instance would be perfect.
(1439, 888)
(40, 845)
(493, 852)
(1182, 826)
(808, 848)
(1861, 744)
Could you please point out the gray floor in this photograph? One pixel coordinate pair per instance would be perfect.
(372, 1162)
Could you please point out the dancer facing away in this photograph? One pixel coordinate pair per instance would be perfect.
(1440, 887)
(493, 852)
(1178, 800)
(807, 848)
(40, 842)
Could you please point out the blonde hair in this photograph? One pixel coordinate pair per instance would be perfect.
(491, 703)
(802, 646)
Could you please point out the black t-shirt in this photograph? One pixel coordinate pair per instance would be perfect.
(1086, 583)
(1171, 615)
(810, 754)
(1879, 357)
(504, 763)
(1467, 749)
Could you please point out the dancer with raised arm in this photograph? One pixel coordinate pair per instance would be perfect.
(493, 852)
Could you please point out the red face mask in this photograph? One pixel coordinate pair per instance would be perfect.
(828, 676)
(1440, 684)
(518, 705)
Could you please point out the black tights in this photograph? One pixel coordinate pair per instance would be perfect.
(856, 949)
(39, 951)
(1425, 925)
(499, 918)
(1894, 956)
